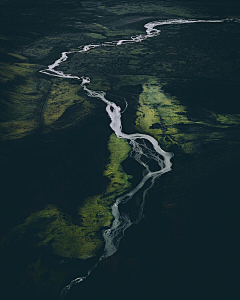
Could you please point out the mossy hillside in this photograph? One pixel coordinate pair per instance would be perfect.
(91, 27)
(20, 96)
(52, 228)
(11, 72)
(95, 213)
(165, 118)
(94, 36)
(9, 57)
(17, 129)
(20, 99)
(66, 104)
(63, 94)
(119, 150)
(28, 102)
(18, 56)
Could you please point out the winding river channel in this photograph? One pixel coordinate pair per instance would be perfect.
(144, 147)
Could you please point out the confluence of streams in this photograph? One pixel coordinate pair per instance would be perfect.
(113, 235)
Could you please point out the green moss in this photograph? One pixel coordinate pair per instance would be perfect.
(119, 150)
(93, 27)
(10, 72)
(52, 228)
(19, 100)
(227, 119)
(18, 56)
(95, 35)
(62, 95)
(28, 102)
(17, 129)
(40, 49)
(165, 118)
(95, 213)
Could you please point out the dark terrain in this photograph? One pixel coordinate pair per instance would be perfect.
(54, 148)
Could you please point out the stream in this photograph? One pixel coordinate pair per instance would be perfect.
(144, 147)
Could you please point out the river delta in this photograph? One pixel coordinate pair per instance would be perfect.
(62, 167)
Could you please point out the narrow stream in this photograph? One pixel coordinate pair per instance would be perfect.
(139, 142)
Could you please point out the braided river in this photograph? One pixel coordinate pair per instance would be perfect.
(145, 148)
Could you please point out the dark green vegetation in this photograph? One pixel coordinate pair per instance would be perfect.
(61, 167)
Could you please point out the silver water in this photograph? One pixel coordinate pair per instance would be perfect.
(140, 150)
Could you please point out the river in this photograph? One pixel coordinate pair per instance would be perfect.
(142, 151)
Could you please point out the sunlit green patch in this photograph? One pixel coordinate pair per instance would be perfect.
(119, 150)
(95, 36)
(39, 49)
(62, 95)
(28, 102)
(17, 129)
(19, 100)
(11, 72)
(227, 119)
(18, 56)
(165, 118)
(93, 27)
(51, 227)
(95, 213)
